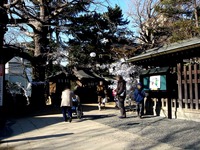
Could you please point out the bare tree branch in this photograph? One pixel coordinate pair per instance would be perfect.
(13, 3)
(59, 9)
(147, 21)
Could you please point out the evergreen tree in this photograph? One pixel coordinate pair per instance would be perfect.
(182, 16)
(99, 33)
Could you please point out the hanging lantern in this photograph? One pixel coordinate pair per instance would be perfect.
(93, 54)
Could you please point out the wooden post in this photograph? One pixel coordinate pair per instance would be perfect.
(169, 107)
(196, 86)
(1, 83)
(191, 89)
(180, 96)
(185, 86)
(169, 97)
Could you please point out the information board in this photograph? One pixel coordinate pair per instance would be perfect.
(155, 83)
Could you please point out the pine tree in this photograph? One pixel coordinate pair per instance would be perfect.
(97, 32)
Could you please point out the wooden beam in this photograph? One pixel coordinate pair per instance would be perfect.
(193, 72)
(11, 51)
(188, 81)
(196, 86)
(185, 86)
(180, 96)
(191, 88)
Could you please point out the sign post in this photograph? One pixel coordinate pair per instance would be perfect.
(1, 83)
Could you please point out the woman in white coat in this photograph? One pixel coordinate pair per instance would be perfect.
(66, 103)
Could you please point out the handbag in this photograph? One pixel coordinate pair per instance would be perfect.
(122, 94)
(105, 100)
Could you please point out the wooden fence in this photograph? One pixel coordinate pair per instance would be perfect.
(188, 86)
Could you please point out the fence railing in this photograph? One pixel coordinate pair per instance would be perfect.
(189, 86)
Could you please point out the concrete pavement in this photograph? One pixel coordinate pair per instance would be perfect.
(100, 130)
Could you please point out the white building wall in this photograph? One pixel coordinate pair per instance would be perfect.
(18, 70)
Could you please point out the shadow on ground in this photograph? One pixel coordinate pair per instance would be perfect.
(40, 119)
(51, 110)
(182, 134)
(37, 138)
(95, 117)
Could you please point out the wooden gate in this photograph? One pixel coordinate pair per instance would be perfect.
(189, 86)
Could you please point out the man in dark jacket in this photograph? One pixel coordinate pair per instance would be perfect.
(139, 95)
(121, 94)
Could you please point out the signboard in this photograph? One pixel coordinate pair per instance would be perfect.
(1, 83)
(154, 82)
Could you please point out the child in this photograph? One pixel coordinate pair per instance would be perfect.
(139, 95)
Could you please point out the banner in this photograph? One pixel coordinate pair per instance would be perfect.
(1, 83)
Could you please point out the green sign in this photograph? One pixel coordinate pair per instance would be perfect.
(155, 82)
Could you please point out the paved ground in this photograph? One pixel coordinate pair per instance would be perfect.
(100, 130)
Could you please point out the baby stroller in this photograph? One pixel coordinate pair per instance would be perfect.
(77, 108)
(130, 104)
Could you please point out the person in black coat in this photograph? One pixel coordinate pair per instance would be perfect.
(121, 94)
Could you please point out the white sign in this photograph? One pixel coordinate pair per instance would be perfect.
(1, 84)
(154, 82)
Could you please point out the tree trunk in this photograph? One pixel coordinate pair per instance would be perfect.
(196, 13)
(41, 42)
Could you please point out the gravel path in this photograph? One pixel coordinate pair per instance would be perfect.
(101, 130)
(179, 133)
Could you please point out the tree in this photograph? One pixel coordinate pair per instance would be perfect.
(39, 20)
(183, 16)
(129, 72)
(164, 21)
(151, 31)
(99, 33)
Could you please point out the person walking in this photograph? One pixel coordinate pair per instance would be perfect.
(100, 93)
(139, 95)
(66, 103)
(121, 95)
